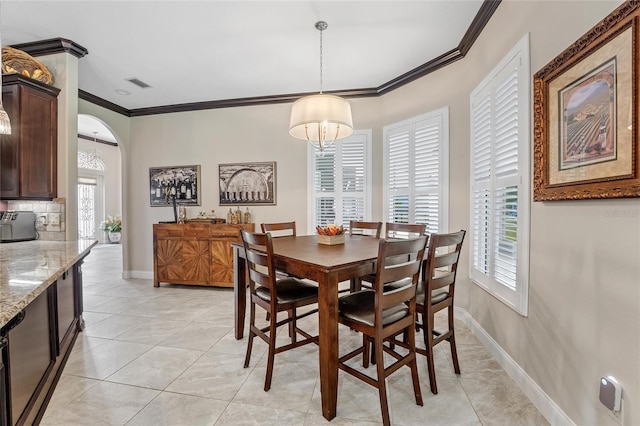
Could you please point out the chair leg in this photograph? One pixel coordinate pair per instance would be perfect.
(272, 351)
(410, 336)
(365, 353)
(252, 323)
(452, 342)
(427, 332)
(355, 285)
(292, 325)
(382, 387)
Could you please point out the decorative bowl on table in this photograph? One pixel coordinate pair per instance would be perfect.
(330, 234)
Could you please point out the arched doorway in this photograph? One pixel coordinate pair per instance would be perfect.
(99, 177)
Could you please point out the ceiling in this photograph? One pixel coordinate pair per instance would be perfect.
(200, 51)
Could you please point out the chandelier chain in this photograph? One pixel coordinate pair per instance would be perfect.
(321, 80)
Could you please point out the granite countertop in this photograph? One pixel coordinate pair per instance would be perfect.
(28, 268)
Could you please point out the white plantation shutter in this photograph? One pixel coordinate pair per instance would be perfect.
(500, 180)
(481, 175)
(341, 182)
(415, 170)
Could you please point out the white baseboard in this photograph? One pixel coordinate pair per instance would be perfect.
(145, 275)
(547, 407)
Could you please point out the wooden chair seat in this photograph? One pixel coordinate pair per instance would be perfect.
(290, 291)
(359, 306)
(436, 296)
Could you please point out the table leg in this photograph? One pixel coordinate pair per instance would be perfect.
(328, 330)
(239, 291)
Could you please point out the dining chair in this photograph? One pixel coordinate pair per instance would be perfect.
(265, 291)
(281, 229)
(372, 229)
(392, 231)
(381, 315)
(277, 230)
(438, 281)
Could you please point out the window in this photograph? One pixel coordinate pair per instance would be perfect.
(340, 181)
(416, 174)
(499, 228)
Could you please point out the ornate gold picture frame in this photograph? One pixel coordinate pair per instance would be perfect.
(585, 112)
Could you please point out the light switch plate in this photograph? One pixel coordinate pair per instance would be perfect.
(54, 218)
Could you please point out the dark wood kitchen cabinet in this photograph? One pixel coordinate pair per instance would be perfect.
(29, 155)
(30, 353)
(34, 347)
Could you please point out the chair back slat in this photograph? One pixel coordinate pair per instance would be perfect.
(442, 281)
(280, 229)
(404, 230)
(447, 259)
(372, 229)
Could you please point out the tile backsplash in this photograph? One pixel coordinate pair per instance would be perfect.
(50, 217)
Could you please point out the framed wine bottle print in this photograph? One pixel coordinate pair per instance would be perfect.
(181, 183)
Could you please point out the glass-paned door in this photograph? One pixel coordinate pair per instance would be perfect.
(87, 196)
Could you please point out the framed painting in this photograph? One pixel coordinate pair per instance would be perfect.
(585, 109)
(181, 183)
(247, 183)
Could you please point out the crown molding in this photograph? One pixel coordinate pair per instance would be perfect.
(241, 102)
(50, 46)
(103, 103)
(477, 25)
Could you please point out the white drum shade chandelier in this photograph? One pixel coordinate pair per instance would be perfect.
(321, 119)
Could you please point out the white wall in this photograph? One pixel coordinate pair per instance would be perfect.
(584, 301)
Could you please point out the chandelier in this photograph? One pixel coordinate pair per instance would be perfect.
(93, 159)
(321, 119)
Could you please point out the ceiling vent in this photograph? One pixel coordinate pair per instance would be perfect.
(138, 83)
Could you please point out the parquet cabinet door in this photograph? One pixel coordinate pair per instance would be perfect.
(195, 260)
(169, 258)
(222, 261)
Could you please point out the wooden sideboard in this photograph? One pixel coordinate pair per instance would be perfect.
(195, 253)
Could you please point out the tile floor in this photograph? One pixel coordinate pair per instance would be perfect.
(167, 356)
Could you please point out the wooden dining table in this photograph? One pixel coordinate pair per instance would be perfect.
(328, 265)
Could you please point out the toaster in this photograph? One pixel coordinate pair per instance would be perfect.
(17, 226)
